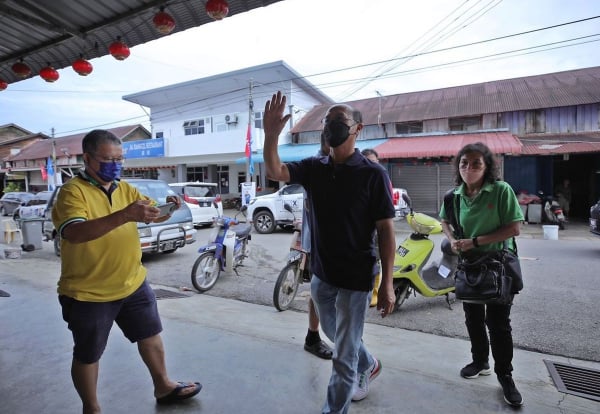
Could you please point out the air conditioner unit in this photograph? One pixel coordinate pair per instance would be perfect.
(231, 119)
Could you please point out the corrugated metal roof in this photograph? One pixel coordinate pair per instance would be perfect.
(571, 143)
(501, 142)
(545, 148)
(553, 148)
(58, 31)
(267, 78)
(70, 144)
(574, 87)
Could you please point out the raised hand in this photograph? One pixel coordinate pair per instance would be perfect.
(273, 119)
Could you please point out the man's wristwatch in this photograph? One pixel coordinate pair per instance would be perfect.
(475, 242)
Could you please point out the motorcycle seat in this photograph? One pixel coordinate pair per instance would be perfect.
(242, 230)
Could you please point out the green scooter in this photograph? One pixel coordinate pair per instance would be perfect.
(410, 274)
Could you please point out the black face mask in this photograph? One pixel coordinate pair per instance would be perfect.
(336, 132)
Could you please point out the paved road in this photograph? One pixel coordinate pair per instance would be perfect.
(557, 312)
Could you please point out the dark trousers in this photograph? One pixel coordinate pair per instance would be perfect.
(497, 319)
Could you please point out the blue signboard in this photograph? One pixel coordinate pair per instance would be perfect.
(144, 148)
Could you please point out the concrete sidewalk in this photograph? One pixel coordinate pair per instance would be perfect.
(249, 359)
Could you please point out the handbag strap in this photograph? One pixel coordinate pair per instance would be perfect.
(452, 210)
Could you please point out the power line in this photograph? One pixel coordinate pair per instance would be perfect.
(331, 84)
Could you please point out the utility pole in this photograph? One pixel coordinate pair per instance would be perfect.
(249, 166)
(54, 166)
(379, 113)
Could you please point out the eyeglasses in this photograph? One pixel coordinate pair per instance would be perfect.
(107, 159)
(474, 165)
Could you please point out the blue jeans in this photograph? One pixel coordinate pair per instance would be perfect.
(342, 314)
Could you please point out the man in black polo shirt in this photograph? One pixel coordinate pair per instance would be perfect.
(350, 199)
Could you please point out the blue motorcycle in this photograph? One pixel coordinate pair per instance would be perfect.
(226, 251)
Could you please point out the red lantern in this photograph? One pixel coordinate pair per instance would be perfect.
(49, 74)
(163, 22)
(82, 67)
(21, 69)
(217, 9)
(119, 49)
(3, 85)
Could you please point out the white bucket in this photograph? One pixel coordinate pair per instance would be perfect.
(550, 232)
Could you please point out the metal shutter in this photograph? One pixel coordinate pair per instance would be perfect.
(425, 184)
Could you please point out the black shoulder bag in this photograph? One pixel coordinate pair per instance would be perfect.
(489, 278)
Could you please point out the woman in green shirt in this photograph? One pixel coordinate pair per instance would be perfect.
(489, 214)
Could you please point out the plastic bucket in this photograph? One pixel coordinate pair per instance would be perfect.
(550, 232)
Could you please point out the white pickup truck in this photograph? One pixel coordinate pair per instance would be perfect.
(266, 212)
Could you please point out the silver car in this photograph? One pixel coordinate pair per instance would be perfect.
(165, 237)
(13, 200)
(199, 197)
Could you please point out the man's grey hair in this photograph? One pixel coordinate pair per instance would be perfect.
(97, 137)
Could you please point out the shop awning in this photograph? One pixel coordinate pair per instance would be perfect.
(551, 148)
(430, 146)
(297, 152)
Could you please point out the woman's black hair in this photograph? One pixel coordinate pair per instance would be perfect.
(491, 168)
(369, 151)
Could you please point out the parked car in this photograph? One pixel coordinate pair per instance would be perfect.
(34, 208)
(266, 212)
(165, 237)
(595, 218)
(400, 205)
(199, 198)
(13, 200)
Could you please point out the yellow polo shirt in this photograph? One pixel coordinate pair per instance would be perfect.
(110, 267)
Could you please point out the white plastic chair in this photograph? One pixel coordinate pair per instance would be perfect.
(10, 231)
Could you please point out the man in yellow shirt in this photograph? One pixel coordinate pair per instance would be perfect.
(102, 278)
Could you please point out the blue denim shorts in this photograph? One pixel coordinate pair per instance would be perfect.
(91, 322)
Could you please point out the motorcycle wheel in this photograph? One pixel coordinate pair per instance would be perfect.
(401, 290)
(206, 271)
(286, 286)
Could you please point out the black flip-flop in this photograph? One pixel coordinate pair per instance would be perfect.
(319, 349)
(175, 396)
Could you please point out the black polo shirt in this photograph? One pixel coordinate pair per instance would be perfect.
(345, 202)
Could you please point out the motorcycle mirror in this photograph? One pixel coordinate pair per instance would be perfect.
(407, 200)
(287, 207)
(244, 208)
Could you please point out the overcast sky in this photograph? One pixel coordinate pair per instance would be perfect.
(350, 49)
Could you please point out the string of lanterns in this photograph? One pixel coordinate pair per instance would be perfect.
(163, 22)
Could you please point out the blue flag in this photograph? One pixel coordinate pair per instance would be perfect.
(50, 172)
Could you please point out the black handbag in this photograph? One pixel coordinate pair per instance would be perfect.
(489, 278)
(483, 280)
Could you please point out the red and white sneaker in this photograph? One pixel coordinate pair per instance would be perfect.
(361, 388)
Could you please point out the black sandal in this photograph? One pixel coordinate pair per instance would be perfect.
(319, 349)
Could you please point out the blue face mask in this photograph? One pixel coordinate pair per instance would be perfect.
(109, 171)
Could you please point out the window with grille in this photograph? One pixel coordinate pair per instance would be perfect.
(412, 127)
(258, 120)
(197, 174)
(195, 127)
(468, 123)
